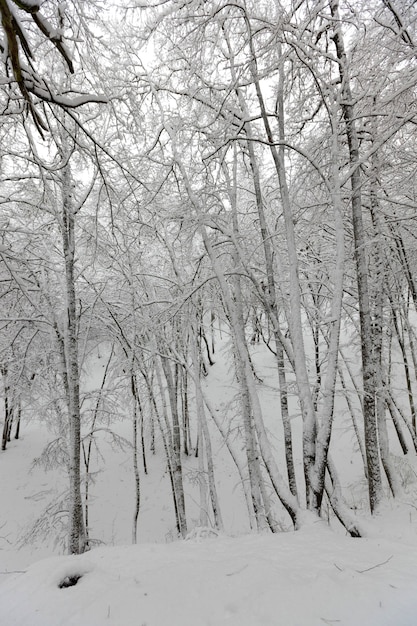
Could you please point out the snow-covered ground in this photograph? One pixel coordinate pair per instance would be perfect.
(311, 577)
(308, 578)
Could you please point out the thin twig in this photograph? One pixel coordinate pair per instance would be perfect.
(361, 571)
(238, 570)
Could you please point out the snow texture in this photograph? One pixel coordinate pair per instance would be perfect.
(306, 578)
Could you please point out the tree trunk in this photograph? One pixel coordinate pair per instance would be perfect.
(378, 335)
(8, 415)
(288, 500)
(19, 415)
(76, 529)
(368, 365)
(271, 294)
(244, 480)
(135, 397)
(204, 435)
(176, 448)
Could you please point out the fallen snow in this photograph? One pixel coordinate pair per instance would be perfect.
(305, 578)
(312, 577)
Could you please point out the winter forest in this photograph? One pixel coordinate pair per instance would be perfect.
(208, 270)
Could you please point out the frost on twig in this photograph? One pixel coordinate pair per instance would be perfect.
(52, 522)
(54, 455)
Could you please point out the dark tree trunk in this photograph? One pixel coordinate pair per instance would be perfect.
(368, 365)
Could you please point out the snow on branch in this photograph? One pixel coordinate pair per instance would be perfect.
(16, 42)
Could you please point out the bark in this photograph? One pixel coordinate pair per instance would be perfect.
(397, 425)
(294, 320)
(76, 529)
(315, 444)
(251, 446)
(176, 448)
(289, 502)
(399, 333)
(380, 281)
(238, 332)
(165, 433)
(394, 408)
(329, 384)
(204, 435)
(87, 450)
(142, 438)
(272, 292)
(8, 409)
(19, 415)
(185, 413)
(368, 367)
(135, 396)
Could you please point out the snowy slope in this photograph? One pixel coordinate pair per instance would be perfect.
(308, 578)
(311, 577)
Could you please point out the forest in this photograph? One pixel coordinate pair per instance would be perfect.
(184, 182)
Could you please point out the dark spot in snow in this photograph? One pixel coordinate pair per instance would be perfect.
(69, 581)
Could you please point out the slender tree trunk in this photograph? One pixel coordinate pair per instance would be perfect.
(393, 409)
(238, 331)
(244, 480)
(339, 506)
(166, 435)
(380, 282)
(399, 332)
(135, 397)
(185, 414)
(205, 435)
(368, 365)
(7, 407)
(87, 450)
(315, 444)
(202, 477)
(142, 438)
(288, 500)
(176, 448)
(76, 529)
(353, 417)
(272, 295)
(294, 319)
(19, 415)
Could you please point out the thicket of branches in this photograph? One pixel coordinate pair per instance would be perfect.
(174, 169)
